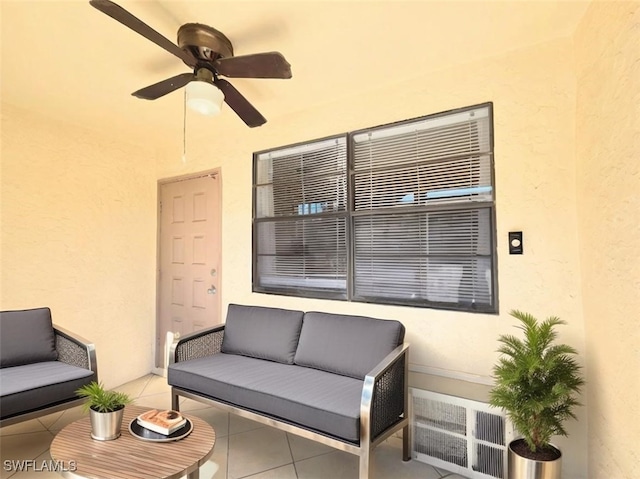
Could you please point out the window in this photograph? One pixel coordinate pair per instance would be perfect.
(397, 214)
(300, 220)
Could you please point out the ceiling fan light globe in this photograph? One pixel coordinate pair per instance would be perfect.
(204, 97)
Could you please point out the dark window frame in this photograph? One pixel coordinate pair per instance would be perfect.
(351, 215)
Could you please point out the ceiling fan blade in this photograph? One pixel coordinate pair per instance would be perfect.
(257, 65)
(120, 14)
(163, 87)
(240, 104)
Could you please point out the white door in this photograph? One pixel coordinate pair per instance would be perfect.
(189, 257)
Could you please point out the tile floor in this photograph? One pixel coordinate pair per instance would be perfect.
(244, 449)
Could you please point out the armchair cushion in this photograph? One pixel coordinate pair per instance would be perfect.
(347, 345)
(30, 327)
(261, 332)
(33, 386)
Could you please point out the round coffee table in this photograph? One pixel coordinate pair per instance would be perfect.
(128, 457)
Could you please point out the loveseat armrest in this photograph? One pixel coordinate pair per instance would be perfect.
(197, 345)
(75, 350)
(385, 392)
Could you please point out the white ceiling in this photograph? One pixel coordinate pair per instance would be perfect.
(67, 60)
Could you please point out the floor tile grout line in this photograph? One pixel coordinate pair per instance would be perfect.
(293, 459)
(438, 472)
(245, 432)
(226, 473)
(333, 451)
(266, 470)
(146, 384)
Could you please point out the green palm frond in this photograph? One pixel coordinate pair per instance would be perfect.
(536, 381)
(102, 400)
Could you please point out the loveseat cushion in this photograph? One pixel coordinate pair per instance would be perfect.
(347, 345)
(311, 398)
(26, 337)
(34, 386)
(261, 332)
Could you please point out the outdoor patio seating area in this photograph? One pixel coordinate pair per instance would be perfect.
(243, 449)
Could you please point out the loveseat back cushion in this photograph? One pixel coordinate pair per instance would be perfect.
(26, 337)
(262, 332)
(347, 345)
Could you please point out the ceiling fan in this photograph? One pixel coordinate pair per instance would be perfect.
(210, 53)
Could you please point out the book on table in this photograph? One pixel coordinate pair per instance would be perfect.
(163, 422)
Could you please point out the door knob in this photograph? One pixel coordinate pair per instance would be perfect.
(212, 290)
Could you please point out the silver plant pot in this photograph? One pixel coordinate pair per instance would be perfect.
(523, 468)
(106, 426)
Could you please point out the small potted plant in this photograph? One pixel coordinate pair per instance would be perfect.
(536, 383)
(106, 409)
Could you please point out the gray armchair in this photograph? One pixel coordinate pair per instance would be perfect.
(41, 366)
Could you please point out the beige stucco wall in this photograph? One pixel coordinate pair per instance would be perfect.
(79, 220)
(78, 236)
(533, 91)
(608, 178)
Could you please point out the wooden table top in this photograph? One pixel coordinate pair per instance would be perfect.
(129, 457)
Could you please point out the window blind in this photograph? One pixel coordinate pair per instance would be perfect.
(300, 226)
(428, 161)
(422, 220)
(436, 257)
(397, 214)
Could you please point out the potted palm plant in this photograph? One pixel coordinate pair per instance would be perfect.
(536, 384)
(106, 409)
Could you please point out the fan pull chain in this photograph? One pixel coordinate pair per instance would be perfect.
(184, 129)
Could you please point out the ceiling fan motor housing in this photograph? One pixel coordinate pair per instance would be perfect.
(205, 43)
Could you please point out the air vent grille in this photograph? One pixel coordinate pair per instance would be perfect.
(460, 435)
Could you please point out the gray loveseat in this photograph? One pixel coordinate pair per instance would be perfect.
(337, 379)
(41, 366)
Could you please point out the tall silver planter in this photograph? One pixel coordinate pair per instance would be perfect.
(523, 468)
(106, 426)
